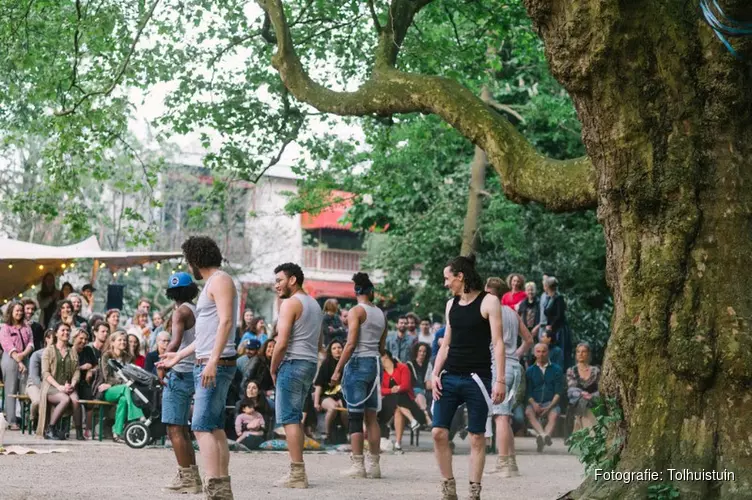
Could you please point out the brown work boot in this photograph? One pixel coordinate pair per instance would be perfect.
(296, 478)
(357, 468)
(373, 467)
(218, 488)
(185, 481)
(474, 492)
(448, 489)
(512, 466)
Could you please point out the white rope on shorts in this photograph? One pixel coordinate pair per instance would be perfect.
(375, 385)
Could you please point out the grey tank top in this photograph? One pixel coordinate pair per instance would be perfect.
(186, 364)
(304, 339)
(370, 332)
(510, 325)
(207, 322)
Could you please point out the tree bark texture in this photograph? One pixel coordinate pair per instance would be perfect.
(667, 122)
(474, 201)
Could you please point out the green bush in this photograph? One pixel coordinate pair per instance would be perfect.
(598, 447)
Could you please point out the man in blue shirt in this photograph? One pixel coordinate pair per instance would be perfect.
(555, 354)
(399, 343)
(544, 383)
(438, 338)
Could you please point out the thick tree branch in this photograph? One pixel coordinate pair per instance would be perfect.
(374, 16)
(401, 15)
(121, 70)
(526, 175)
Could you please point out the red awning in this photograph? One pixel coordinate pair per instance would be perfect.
(329, 289)
(329, 217)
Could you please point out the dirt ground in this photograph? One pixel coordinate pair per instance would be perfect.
(94, 471)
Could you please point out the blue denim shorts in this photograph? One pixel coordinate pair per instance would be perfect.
(176, 398)
(209, 402)
(459, 389)
(294, 381)
(358, 385)
(512, 376)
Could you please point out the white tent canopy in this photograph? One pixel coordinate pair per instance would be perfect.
(24, 264)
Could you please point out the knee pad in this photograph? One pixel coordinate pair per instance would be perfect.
(356, 423)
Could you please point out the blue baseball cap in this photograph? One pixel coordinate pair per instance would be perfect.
(178, 280)
(253, 344)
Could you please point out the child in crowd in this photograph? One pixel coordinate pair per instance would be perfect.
(249, 425)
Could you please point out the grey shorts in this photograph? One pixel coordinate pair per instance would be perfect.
(513, 376)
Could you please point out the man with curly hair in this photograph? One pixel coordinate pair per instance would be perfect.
(215, 365)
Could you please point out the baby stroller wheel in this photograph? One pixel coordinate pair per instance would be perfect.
(137, 435)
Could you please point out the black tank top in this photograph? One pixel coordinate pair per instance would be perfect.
(469, 350)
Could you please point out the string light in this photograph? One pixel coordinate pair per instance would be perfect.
(20, 295)
(41, 267)
(72, 265)
(63, 265)
(33, 287)
(101, 266)
(180, 266)
(5, 301)
(128, 270)
(114, 275)
(10, 266)
(159, 264)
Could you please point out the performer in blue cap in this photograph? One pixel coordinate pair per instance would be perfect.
(179, 386)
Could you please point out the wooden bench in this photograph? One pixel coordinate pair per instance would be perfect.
(102, 405)
(25, 409)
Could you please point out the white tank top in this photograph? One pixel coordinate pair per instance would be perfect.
(370, 332)
(207, 322)
(186, 364)
(306, 331)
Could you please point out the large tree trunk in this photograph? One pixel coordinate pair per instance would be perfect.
(666, 120)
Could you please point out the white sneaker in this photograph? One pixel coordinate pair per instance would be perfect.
(386, 445)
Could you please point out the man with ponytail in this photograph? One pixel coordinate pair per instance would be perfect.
(462, 372)
(367, 329)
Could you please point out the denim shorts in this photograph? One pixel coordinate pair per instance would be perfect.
(294, 381)
(545, 405)
(459, 389)
(361, 374)
(512, 376)
(176, 398)
(209, 402)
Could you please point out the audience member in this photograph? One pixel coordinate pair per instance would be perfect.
(556, 321)
(582, 387)
(150, 363)
(259, 369)
(60, 376)
(253, 392)
(326, 397)
(80, 339)
(141, 330)
(65, 290)
(412, 326)
(438, 339)
(144, 306)
(112, 389)
(87, 292)
(37, 330)
(257, 331)
(543, 386)
(343, 312)
(91, 355)
(426, 335)
(17, 345)
(529, 310)
(399, 343)
(47, 298)
(332, 326)
(544, 299)
(134, 350)
(516, 294)
(250, 425)
(555, 354)
(398, 399)
(113, 319)
(249, 353)
(34, 381)
(77, 303)
(64, 314)
(420, 376)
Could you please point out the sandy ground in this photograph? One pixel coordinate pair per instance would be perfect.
(94, 471)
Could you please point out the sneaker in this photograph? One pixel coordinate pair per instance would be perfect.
(373, 467)
(539, 441)
(296, 478)
(449, 489)
(547, 438)
(398, 449)
(414, 425)
(357, 467)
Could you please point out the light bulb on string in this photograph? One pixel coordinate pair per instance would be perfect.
(72, 265)
(10, 266)
(41, 267)
(63, 265)
(101, 266)
(114, 275)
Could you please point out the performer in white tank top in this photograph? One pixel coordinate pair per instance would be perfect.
(360, 385)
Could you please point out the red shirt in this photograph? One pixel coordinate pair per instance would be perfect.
(140, 361)
(511, 299)
(401, 376)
